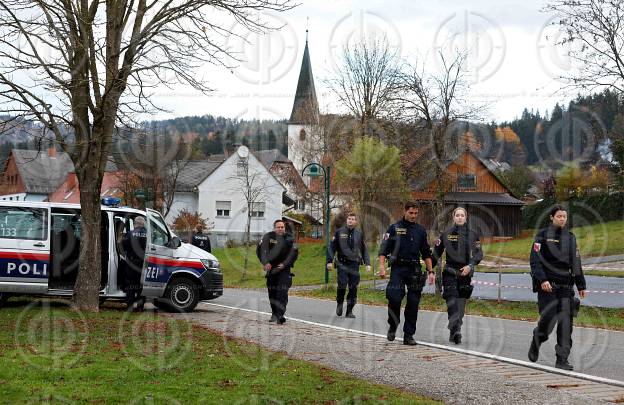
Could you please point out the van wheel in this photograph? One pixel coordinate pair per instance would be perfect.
(182, 295)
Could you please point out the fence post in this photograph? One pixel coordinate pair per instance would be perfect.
(500, 279)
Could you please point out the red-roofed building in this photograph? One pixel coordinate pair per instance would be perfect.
(68, 192)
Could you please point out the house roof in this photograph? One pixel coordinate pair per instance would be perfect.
(194, 172)
(270, 156)
(40, 173)
(305, 108)
(491, 165)
(482, 198)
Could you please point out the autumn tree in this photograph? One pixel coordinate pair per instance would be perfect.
(80, 68)
(186, 222)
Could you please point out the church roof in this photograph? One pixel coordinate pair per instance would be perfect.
(305, 108)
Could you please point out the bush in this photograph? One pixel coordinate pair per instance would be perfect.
(231, 243)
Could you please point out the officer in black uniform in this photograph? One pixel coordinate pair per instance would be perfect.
(463, 253)
(555, 269)
(404, 244)
(201, 240)
(134, 247)
(278, 252)
(349, 245)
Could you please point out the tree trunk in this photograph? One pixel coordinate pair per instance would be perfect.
(87, 287)
(247, 232)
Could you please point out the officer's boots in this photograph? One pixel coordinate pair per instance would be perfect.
(409, 340)
(455, 337)
(349, 313)
(391, 333)
(534, 350)
(563, 364)
(339, 309)
(273, 318)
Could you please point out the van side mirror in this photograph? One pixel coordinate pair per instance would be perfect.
(175, 242)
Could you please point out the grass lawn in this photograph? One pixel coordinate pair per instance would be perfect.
(594, 240)
(51, 354)
(606, 318)
(309, 268)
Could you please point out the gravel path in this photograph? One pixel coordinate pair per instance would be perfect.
(435, 373)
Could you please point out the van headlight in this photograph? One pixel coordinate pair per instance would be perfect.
(211, 264)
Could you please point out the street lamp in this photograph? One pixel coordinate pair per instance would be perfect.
(315, 170)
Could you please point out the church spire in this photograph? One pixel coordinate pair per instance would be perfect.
(305, 108)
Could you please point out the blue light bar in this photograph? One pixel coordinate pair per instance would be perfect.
(111, 201)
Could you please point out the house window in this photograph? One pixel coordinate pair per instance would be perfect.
(241, 169)
(300, 205)
(467, 181)
(257, 210)
(302, 135)
(223, 209)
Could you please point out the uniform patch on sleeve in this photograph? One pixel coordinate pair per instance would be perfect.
(438, 242)
(386, 236)
(537, 246)
(478, 244)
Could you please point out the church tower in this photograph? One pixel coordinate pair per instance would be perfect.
(304, 118)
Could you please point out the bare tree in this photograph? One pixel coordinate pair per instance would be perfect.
(366, 80)
(594, 32)
(255, 187)
(81, 67)
(435, 104)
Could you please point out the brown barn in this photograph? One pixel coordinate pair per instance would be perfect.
(471, 183)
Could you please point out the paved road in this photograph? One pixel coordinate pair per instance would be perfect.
(596, 352)
(605, 292)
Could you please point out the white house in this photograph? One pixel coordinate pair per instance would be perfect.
(216, 189)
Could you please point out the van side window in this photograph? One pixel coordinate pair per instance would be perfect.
(23, 223)
(160, 235)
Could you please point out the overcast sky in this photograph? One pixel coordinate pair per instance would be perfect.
(513, 61)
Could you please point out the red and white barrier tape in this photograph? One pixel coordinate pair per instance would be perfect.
(486, 283)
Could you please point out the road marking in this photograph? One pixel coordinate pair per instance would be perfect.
(489, 356)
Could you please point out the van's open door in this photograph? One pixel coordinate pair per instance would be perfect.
(24, 248)
(158, 256)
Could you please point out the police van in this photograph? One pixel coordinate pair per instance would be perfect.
(40, 244)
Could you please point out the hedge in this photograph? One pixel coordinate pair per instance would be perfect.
(582, 211)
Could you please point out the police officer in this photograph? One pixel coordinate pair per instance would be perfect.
(404, 244)
(278, 252)
(555, 269)
(201, 240)
(349, 245)
(463, 253)
(134, 247)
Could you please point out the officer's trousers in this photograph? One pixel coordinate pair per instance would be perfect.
(133, 282)
(278, 284)
(348, 275)
(555, 308)
(455, 303)
(402, 277)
